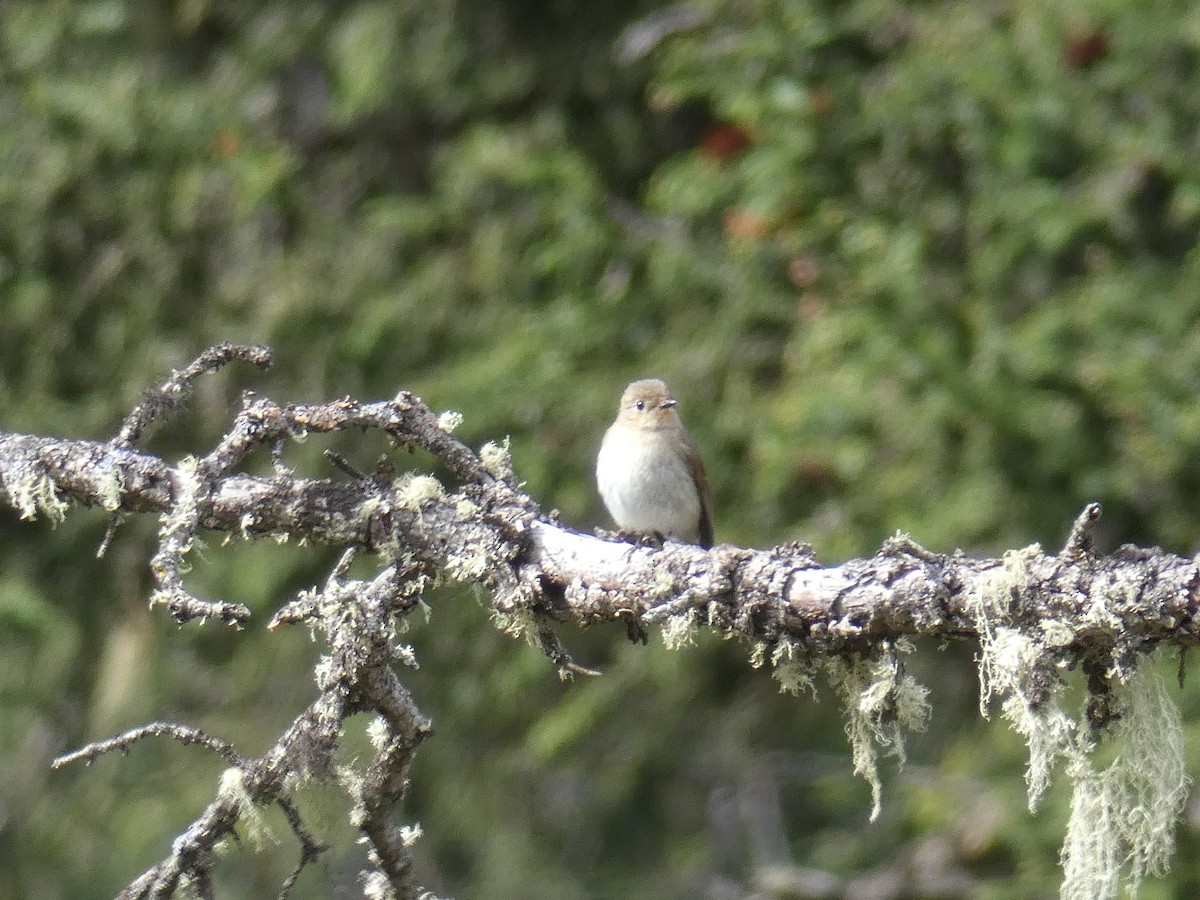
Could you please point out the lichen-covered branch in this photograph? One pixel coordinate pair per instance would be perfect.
(1033, 613)
(1130, 600)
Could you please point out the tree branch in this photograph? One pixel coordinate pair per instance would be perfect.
(1074, 608)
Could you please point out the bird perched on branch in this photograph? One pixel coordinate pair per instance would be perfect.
(649, 470)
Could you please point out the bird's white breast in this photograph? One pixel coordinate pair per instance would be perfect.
(646, 484)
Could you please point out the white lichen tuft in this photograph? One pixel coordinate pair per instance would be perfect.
(1056, 632)
(679, 631)
(495, 458)
(988, 597)
(325, 672)
(410, 834)
(376, 886)
(472, 564)
(1091, 852)
(351, 781)
(378, 732)
(414, 490)
(1051, 734)
(465, 509)
(404, 653)
(849, 680)
(1009, 663)
(1152, 775)
(449, 421)
(187, 889)
(186, 507)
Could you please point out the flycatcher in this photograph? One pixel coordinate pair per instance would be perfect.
(649, 470)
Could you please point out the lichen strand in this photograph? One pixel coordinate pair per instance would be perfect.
(517, 622)
(31, 491)
(791, 664)
(1127, 812)
(1022, 665)
(880, 703)
(1124, 814)
(233, 789)
(1022, 669)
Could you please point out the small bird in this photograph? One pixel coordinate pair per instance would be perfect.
(649, 470)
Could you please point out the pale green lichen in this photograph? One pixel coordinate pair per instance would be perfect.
(1057, 633)
(1098, 614)
(175, 521)
(1012, 663)
(368, 508)
(880, 702)
(325, 672)
(404, 653)
(33, 492)
(351, 781)
(679, 631)
(518, 622)
(791, 666)
(472, 564)
(1123, 815)
(110, 485)
(465, 509)
(1127, 812)
(233, 789)
(187, 889)
(758, 654)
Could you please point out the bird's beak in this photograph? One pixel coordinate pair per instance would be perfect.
(667, 404)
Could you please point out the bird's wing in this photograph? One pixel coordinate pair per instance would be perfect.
(700, 477)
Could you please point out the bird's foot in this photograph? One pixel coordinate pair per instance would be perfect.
(652, 539)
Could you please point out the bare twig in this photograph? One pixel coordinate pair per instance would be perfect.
(310, 847)
(182, 733)
(1081, 539)
(167, 399)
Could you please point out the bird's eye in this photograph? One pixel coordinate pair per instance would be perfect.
(641, 404)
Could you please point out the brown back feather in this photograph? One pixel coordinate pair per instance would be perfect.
(700, 477)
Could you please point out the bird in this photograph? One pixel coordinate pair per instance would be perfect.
(649, 470)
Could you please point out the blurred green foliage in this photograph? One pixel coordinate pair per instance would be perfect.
(928, 267)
